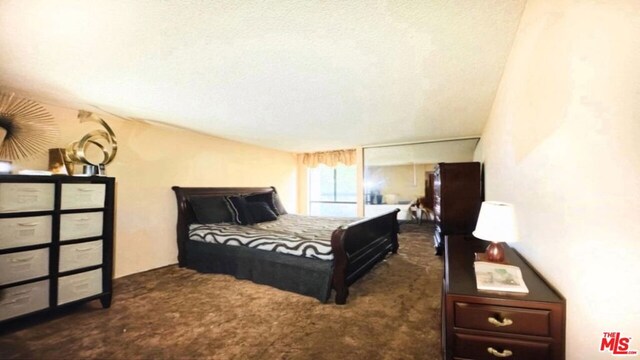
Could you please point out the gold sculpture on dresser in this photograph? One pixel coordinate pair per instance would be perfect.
(104, 140)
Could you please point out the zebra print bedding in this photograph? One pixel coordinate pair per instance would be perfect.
(306, 236)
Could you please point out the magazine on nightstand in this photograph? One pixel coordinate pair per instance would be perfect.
(499, 277)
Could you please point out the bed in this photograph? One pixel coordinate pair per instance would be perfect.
(350, 251)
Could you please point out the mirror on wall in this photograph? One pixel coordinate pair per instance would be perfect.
(396, 176)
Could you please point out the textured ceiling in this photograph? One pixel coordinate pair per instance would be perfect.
(291, 75)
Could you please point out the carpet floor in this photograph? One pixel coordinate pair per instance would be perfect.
(393, 312)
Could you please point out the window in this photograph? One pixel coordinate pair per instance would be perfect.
(332, 191)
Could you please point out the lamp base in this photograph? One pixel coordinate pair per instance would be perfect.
(495, 252)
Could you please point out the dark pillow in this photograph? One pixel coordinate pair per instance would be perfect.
(238, 208)
(280, 210)
(210, 209)
(261, 212)
(266, 198)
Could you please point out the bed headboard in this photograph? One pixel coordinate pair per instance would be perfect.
(185, 213)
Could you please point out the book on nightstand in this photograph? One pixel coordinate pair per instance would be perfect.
(499, 277)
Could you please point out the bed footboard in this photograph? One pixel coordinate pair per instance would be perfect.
(357, 247)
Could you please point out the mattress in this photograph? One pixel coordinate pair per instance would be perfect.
(305, 236)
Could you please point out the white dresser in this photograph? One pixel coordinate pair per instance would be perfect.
(56, 242)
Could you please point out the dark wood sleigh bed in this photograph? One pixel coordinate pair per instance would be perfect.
(356, 248)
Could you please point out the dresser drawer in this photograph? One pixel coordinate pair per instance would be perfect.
(82, 196)
(79, 286)
(80, 255)
(481, 348)
(15, 232)
(23, 299)
(502, 319)
(82, 225)
(16, 197)
(23, 265)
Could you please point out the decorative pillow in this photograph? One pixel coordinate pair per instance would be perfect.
(238, 208)
(261, 212)
(280, 210)
(267, 198)
(210, 209)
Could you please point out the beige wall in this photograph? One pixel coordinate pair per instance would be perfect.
(562, 144)
(302, 186)
(150, 160)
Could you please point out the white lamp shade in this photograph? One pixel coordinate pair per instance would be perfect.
(496, 222)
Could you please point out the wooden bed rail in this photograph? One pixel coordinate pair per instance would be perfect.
(357, 247)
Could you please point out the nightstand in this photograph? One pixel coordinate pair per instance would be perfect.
(491, 325)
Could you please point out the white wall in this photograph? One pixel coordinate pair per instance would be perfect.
(150, 160)
(563, 144)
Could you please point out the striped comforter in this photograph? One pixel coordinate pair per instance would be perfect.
(307, 236)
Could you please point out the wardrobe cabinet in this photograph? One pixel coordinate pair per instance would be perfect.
(456, 200)
(56, 242)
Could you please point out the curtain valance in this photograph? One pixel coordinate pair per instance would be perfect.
(330, 158)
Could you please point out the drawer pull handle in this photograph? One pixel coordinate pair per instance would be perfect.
(496, 322)
(31, 190)
(84, 249)
(15, 301)
(505, 353)
(23, 292)
(85, 189)
(82, 219)
(15, 260)
(33, 224)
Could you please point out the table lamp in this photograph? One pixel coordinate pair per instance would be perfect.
(496, 223)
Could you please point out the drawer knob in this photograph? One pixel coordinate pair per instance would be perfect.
(496, 322)
(501, 354)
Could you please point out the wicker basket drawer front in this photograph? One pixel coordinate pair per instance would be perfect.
(16, 197)
(81, 225)
(80, 255)
(79, 286)
(16, 232)
(23, 265)
(82, 196)
(23, 299)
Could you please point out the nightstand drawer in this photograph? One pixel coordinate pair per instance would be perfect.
(23, 299)
(80, 255)
(502, 319)
(481, 348)
(79, 286)
(81, 225)
(15, 232)
(82, 196)
(23, 265)
(16, 197)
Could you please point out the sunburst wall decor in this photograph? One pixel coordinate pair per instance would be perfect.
(26, 128)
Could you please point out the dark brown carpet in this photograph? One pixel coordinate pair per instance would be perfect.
(392, 313)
